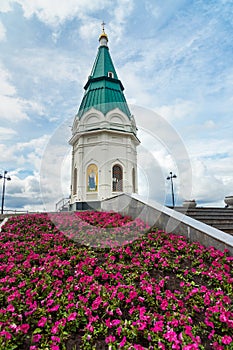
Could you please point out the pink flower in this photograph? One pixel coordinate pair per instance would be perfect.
(110, 339)
(226, 339)
(158, 327)
(216, 346)
(42, 322)
(164, 304)
(149, 289)
(142, 326)
(133, 294)
(119, 329)
(188, 331)
(6, 334)
(69, 306)
(211, 334)
(72, 316)
(161, 345)
(10, 308)
(141, 299)
(21, 284)
(120, 296)
(90, 327)
(209, 323)
(191, 347)
(138, 347)
(118, 311)
(55, 347)
(115, 322)
(54, 329)
(55, 338)
(50, 302)
(70, 279)
(223, 317)
(108, 323)
(96, 303)
(54, 308)
(24, 327)
(70, 296)
(122, 343)
(171, 336)
(36, 338)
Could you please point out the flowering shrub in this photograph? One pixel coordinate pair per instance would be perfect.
(99, 229)
(156, 292)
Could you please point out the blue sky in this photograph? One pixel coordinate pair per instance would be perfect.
(174, 58)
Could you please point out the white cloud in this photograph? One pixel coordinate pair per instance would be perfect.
(23, 193)
(11, 109)
(6, 133)
(7, 153)
(209, 147)
(55, 13)
(207, 186)
(6, 87)
(51, 65)
(5, 5)
(179, 110)
(119, 17)
(25, 153)
(134, 85)
(2, 32)
(89, 29)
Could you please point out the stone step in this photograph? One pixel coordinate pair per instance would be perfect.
(220, 218)
(213, 218)
(217, 222)
(205, 211)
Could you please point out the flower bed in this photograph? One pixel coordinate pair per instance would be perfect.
(99, 229)
(155, 292)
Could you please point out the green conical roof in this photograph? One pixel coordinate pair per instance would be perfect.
(103, 90)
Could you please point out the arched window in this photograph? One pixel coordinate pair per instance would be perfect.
(117, 178)
(110, 75)
(92, 178)
(133, 181)
(75, 181)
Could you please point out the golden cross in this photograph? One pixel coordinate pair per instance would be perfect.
(103, 24)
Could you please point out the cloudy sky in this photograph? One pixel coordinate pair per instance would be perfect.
(174, 58)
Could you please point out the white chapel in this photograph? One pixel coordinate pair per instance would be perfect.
(104, 138)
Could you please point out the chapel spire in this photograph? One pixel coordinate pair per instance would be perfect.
(103, 90)
(104, 137)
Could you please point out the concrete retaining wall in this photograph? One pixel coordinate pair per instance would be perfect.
(169, 220)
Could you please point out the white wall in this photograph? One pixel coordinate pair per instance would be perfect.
(103, 141)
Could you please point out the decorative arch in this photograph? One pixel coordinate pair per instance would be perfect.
(75, 180)
(117, 178)
(116, 115)
(116, 119)
(92, 178)
(92, 119)
(92, 116)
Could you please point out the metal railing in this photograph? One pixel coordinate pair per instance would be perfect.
(63, 204)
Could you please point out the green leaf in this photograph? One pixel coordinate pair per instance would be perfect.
(37, 330)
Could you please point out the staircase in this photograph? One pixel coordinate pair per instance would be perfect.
(220, 218)
(63, 204)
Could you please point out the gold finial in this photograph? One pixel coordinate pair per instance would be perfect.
(103, 35)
